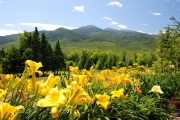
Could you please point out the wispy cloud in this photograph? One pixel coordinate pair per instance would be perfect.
(178, 0)
(79, 8)
(157, 14)
(115, 3)
(9, 32)
(140, 31)
(119, 25)
(46, 26)
(113, 23)
(106, 18)
(122, 26)
(166, 0)
(11, 25)
(1, 1)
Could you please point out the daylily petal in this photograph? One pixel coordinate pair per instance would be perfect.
(104, 104)
(54, 112)
(38, 65)
(44, 103)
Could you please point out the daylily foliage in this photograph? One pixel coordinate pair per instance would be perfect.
(82, 94)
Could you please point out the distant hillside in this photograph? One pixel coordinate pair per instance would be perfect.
(87, 30)
(8, 38)
(93, 38)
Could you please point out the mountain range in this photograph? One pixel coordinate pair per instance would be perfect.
(93, 38)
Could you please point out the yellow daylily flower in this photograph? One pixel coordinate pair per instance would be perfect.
(5, 79)
(99, 77)
(50, 82)
(33, 66)
(125, 78)
(2, 92)
(54, 99)
(115, 80)
(122, 69)
(73, 69)
(81, 79)
(85, 72)
(106, 72)
(119, 93)
(103, 100)
(78, 95)
(8, 112)
(156, 89)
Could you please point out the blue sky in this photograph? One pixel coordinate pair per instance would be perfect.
(148, 16)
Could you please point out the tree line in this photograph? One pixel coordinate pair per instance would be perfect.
(36, 47)
(32, 46)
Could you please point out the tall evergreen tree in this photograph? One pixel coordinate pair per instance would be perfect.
(50, 57)
(36, 45)
(59, 60)
(44, 52)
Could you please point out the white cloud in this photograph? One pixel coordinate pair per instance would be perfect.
(122, 26)
(156, 13)
(113, 23)
(46, 26)
(115, 3)
(144, 24)
(119, 25)
(79, 8)
(166, 0)
(9, 25)
(1, 1)
(106, 18)
(140, 31)
(9, 32)
(178, 0)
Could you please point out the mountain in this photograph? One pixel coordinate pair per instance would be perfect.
(61, 33)
(87, 30)
(93, 38)
(111, 29)
(8, 39)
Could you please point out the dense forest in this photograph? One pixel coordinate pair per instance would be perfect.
(37, 47)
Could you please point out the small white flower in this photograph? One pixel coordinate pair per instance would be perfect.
(156, 89)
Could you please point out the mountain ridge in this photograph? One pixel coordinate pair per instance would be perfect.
(92, 37)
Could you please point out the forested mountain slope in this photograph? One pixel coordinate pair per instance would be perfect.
(93, 38)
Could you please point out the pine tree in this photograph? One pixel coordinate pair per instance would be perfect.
(58, 60)
(50, 57)
(44, 52)
(36, 45)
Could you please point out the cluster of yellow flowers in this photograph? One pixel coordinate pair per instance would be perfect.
(76, 92)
